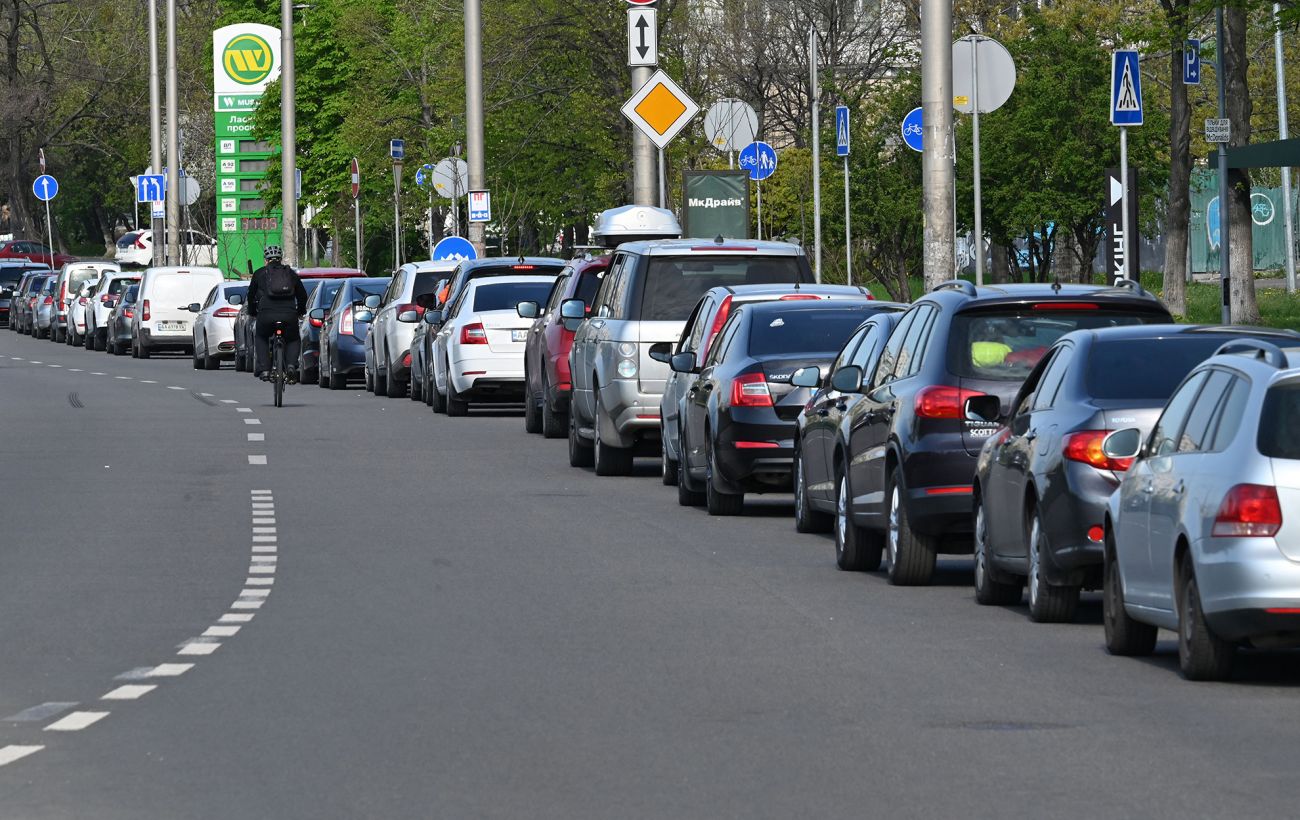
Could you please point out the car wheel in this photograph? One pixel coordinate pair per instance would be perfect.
(554, 424)
(143, 350)
(438, 400)
(393, 388)
(716, 501)
(1048, 603)
(1124, 635)
(667, 466)
(990, 590)
(194, 356)
(609, 460)
(379, 383)
(532, 412)
(210, 362)
(806, 519)
(456, 406)
(580, 452)
(415, 388)
(101, 341)
(369, 379)
(911, 555)
(1202, 655)
(857, 549)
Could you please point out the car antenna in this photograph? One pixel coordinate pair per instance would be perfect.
(718, 240)
(1056, 284)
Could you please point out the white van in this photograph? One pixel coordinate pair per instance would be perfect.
(162, 318)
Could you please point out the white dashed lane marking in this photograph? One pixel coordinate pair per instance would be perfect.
(229, 401)
(11, 753)
(220, 631)
(199, 648)
(252, 421)
(174, 387)
(76, 721)
(148, 381)
(243, 409)
(257, 436)
(130, 691)
(236, 618)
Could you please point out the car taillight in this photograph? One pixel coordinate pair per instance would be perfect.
(943, 402)
(419, 311)
(81, 300)
(406, 359)
(49, 300)
(1250, 510)
(63, 294)
(128, 313)
(144, 315)
(226, 312)
(140, 244)
(750, 390)
(724, 310)
(1085, 447)
(345, 324)
(473, 334)
(799, 297)
(1066, 306)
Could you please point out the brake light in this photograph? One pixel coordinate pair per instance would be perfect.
(799, 297)
(81, 300)
(49, 300)
(722, 248)
(63, 293)
(228, 313)
(943, 402)
(755, 445)
(345, 324)
(473, 334)
(128, 313)
(406, 359)
(144, 316)
(1066, 306)
(419, 311)
(750, 390)
(724, 310)
(1250, 510)
(1085, 447)
(523, 267)
(140, 244)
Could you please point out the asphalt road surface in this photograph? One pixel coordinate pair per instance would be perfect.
(354, 608)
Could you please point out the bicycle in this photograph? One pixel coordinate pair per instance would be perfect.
(279, 375)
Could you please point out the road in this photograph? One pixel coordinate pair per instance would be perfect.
(457, 624)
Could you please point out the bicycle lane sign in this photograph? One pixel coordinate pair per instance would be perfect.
(912, 129)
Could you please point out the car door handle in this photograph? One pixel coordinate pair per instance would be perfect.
(1179, 488)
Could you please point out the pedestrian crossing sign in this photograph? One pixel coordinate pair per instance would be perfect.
(1125, 89)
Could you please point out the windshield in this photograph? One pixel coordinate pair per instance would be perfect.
(128, 239)
(507, 295)
(1005, 345)
(674, 285)
(329, 288)
(799, 331)
(1146, 369)
(1279, 435)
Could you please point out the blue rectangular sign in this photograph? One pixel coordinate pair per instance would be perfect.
(1125, 88)
(151, 188)
(841, 130)
(397, 149)
(1192, 63)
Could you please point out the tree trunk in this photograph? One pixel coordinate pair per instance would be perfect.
(1241, 267)
(999, 264)
(1179, 207)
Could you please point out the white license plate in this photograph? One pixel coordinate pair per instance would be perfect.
(175, 327)
(519, 335)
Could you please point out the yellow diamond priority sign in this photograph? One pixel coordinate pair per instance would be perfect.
(660, 109)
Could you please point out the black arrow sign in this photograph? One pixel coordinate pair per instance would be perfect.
(641, 26)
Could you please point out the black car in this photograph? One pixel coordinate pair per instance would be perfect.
(738, 419)
(21, 317)
(911, 447)
(822, 441)
(309, 329)
(119, 321)
(346, 322)
(11, 275)
(1042, 481)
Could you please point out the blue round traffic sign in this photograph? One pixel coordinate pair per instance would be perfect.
(759, 159)
(422, 175)
(453, 247)
(912, 129)
(45, 187)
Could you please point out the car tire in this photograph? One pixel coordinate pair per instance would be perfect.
(101, 342)
(439, 400)
(1048, 604)
(554, 424)
(1202, 655)
(608, 459)
(716, 501)
(687, 496)
(456, 406)
(857, 549)
(532, 413)
(337, 381)
(88, 340)
(143, 351)
(667, 466)
(581, 454)
(322, 377)
(1124, 635)
(378, 383)
(196, 361)
(239, 362)
(911, 554)
(210, 362)
(990, 588)
(415, 388)
(806, 519)
(393, 388)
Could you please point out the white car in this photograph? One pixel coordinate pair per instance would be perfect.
(100, 303)
(388, 345)
(78, 307)
(478, 354)
(214, 324)
(136, 248)
(67, 288)
(163, 318)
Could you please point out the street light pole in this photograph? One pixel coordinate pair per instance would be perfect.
(1225, 270)
(174, 192)
(288, 138)
(816, 156)
(155, 127)
(940, 262)
(474, 111)
(1288, 217)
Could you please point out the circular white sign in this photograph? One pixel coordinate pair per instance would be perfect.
(997, 74)
(730, 124)
(450, 177)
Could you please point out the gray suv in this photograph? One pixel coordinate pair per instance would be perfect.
(646, 298)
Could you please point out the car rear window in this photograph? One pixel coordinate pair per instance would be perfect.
(128, 239)
(310, 286)
(236, 290)
(1005, 345)
(1279, 435)
(507, 295)
(328, 289)
(673, 286)
(427, 282)
(77, 278)
(132, 293)
(8, 280)
(1145, 368)
(120, 284)
(802, 330)
(360, 292)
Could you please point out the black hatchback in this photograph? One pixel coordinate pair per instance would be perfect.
(913, 446)
(1042, 481)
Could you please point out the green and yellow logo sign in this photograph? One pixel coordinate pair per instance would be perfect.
(247, 59)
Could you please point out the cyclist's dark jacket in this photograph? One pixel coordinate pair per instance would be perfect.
(275, 308)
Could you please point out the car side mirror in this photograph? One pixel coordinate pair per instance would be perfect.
(1126, 443)
(528, 310)
(847, 379)
(366, 315)
(807, 377)
(662, 352)
(373, 301)
(235, 299)
(194, 307)
(983, 408)
(318, 314)
(433, 317)
(682, 363)
(408, 316)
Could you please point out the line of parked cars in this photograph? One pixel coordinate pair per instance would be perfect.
(1069, 438)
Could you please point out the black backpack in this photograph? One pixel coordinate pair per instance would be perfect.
(280, 281)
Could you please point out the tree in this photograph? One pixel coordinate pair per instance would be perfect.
(1241, 263)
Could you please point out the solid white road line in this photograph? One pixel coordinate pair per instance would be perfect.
(203, 648)
(236, 618)
(257, 459)
(169, 670)
(257, 436)
(76, 721)
(132, 691)
(11, 753)
(220, 631)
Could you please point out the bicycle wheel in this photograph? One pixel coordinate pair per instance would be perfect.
(278, 371)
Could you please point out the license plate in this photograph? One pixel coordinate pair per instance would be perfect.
(172, 326)
(519, 335)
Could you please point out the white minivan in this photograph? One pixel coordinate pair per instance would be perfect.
(163, 319)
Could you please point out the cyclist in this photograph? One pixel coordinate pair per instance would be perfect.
(276, 296)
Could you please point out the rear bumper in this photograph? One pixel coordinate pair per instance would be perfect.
(349, 356)
(1239, 579)
(755, 456)
(1068, 515)
(939, 497)
(179, 341)
(633, 413)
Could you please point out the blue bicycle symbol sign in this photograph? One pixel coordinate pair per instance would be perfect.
(912, 129)
(1261, 209)
(759, 159)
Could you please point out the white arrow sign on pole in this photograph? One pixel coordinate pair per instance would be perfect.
(642, 36)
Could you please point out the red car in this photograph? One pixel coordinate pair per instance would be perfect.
(546, 354)
(35, 251)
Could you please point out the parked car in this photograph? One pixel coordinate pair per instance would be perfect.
(546, 354)
(1197, 539)
(35, 252)
(421, 342)
(912, 449)
(135, 248)
(245, 325)
(1042, 482)
(101, 301)
(118, 336)
(697, 335)
(823, 439)
(43, 308)
(388, 344)
(67, 288)
(214, 324)
(646, 298)
(24, 299)
(164, 320)
(478, 355)
(12, 273)
(77, 308)
(343, 334)
(309, 330)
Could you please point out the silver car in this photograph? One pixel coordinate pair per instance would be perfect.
(43, 310)
(1196, 540)
(645, 299)
(388, 345)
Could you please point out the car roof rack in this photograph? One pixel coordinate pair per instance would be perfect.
(1256, 349)
(962, 285)
(1131, 285)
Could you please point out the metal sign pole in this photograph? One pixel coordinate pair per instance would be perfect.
(663, 181)
(49, 231)
(1287, 217)
(977, 249)
(356, 215)
(759, 223)
(848, 232)
(397, 215)
(816, 157)
(1125, 228)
